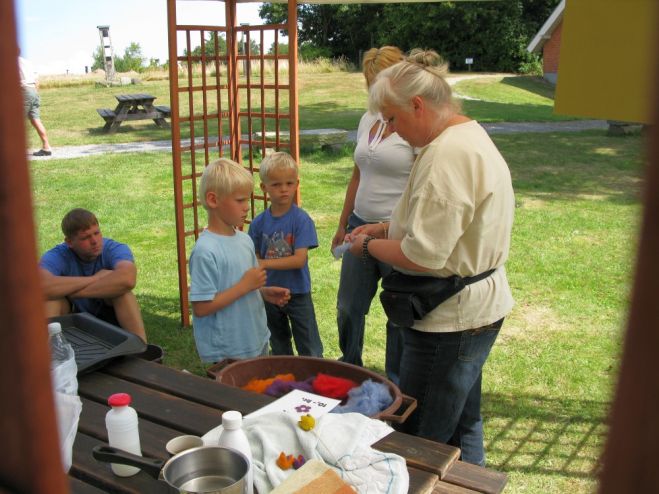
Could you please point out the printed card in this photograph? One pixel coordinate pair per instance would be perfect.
(299, 403)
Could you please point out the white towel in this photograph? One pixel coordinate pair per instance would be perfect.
(343, 441)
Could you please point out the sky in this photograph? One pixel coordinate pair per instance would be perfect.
(60, 36)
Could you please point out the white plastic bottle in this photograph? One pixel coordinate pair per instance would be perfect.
(123, 431)
(234, 437)
(62, 364)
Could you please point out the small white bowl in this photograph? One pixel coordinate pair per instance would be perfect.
(182, 443)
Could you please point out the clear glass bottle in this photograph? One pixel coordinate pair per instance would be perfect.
(123, 431)
(234, 437)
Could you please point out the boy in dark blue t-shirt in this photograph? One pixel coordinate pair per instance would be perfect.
(283, 235)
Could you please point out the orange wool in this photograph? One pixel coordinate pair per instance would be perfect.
(285, 462)
(260, 385)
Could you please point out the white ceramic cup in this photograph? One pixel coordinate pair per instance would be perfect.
(182, 443)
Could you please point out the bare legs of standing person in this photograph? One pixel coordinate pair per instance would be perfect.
(41, 130)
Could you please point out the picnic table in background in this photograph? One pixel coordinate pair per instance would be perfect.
(170, 403)
(134, 107)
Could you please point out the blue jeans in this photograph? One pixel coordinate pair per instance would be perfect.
(357, 287)
(297, 316)
(443, 371)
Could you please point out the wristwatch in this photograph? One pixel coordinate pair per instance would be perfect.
(365, 254)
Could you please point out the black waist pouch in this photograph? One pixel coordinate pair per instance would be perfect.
(406, 298)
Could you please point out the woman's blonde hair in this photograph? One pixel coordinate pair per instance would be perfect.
(422, 73)
(224, 177)
(377, 59)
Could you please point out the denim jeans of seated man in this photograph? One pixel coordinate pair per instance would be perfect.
(297, 319)
(443, 371)
(357, 287)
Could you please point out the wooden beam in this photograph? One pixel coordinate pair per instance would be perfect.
(27, 416)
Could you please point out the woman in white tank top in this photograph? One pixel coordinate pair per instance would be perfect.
(382, 165)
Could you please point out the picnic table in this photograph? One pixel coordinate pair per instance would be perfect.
(134, 107)
(170, 403)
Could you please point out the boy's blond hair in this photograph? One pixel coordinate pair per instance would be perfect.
(224, 177)
(276, 161)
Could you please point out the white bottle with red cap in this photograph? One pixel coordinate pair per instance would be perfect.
(234, 437)
(123, 431)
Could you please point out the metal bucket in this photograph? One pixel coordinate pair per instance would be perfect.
(238, 373)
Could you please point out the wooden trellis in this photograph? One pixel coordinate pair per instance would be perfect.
(231, 96)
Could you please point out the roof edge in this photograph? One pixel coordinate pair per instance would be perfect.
(547, 28)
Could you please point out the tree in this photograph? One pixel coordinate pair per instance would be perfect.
(494, 34)
(97, 56)
(212, 43)
(131, 61)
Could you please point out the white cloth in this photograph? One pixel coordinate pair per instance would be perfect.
(384, 165)
(455, 217)
(342, 441)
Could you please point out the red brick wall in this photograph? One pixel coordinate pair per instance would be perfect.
(551, 51)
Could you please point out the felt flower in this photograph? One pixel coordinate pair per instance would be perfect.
(307, 422)
(285, 462)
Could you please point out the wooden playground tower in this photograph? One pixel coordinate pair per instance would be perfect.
(107, 52)
(226, 101)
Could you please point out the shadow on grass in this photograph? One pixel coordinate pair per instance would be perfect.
(162, 319)
(129, 133)
(544, 435)
(490, 111)
(533, 84)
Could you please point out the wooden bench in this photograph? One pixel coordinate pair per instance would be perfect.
(165, 110)
(106, 113)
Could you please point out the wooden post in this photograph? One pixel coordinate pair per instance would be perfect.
(232, 68)
(631, 455)
(28, 428)
(294, 133)
(176, 162)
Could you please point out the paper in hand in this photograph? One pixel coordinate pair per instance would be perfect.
(339, 250)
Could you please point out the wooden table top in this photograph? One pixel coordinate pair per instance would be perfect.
(171, 402)
(134, 98)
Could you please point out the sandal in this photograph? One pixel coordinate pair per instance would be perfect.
(42, 152)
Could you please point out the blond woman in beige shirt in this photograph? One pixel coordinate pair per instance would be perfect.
(454, 218)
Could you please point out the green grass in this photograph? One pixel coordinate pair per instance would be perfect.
(331, 99)
(548, 382)
(509, 99)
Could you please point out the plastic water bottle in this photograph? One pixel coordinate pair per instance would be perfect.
(64, 372)
(123, 431)
(63, 362)
(234, 437)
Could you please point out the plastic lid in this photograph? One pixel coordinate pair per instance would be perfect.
(119, 400)
(54, 328)
(232, 420)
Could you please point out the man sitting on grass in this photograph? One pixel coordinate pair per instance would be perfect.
(87, 273)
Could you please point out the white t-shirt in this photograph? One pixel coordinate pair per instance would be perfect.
(384, 165)
(27, 73)
(455, 217)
